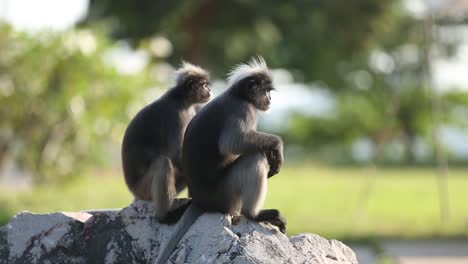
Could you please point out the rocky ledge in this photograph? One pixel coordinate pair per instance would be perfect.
(131, 235)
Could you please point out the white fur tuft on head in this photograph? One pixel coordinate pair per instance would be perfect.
(256, 65)
(187, 69)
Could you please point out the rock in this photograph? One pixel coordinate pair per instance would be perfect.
(131, 235)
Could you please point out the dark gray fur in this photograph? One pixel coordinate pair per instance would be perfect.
(223, 150)
(225, 159)
(151, 147)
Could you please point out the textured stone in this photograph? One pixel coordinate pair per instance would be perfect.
(131, 235)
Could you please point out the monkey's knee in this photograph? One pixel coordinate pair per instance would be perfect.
(260, 162)
(163, 189)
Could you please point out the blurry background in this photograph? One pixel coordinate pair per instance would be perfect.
(372, 104)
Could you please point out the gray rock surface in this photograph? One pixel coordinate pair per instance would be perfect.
(131, 235)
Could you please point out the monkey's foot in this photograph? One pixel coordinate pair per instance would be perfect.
(176, 212)
(273, 217)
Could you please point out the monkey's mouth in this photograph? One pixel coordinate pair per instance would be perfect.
(207, 98)
(265, 107)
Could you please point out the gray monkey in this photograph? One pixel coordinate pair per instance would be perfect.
(226, 160)
(152, 144)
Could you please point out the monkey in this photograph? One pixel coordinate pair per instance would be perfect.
(152, 143)
(226, 160)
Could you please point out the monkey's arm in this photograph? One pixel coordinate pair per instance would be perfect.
(238, 139)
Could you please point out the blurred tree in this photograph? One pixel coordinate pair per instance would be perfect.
(456, 105)
(308, 37)
(61, 105)
(386, 100)
(371, 54)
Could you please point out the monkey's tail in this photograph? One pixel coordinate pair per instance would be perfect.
(184, 224)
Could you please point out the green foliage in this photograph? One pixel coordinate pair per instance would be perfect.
(456, 105)
(372, 55)
(61, 105)
(374, 114)
(309, 37)
(387, 99)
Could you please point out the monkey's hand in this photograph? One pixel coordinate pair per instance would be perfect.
(275, 159)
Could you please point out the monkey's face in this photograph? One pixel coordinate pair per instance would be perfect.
(256, 90)
(198, 90)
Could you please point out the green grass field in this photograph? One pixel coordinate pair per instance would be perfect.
(402, 202)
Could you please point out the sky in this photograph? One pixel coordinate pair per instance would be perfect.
(34, 15)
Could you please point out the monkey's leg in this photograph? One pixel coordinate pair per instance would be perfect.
(246, 184)
(179, 205)
(167, 184)
(163, 189)
(248, 179)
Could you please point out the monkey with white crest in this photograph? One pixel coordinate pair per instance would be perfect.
(152, 144)
(226, 160)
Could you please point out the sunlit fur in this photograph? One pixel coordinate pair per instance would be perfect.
(152, 143)
(223, 153)
(188, 70)
(225, 160)
(256, 66)
(252, 82)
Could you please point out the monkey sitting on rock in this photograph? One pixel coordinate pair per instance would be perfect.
(226, 160)
(152, 144)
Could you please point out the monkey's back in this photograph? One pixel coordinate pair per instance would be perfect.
(156, 130)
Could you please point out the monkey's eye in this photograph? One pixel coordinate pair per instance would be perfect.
(253, 84)
(206, 86)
